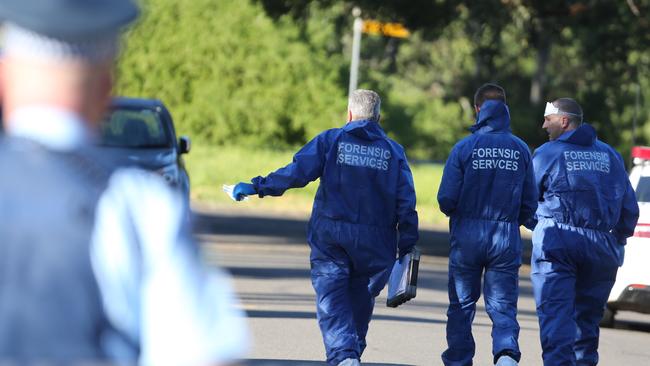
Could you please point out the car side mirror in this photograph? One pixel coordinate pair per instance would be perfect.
(184, 145)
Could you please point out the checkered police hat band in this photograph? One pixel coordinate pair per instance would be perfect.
(23, 42)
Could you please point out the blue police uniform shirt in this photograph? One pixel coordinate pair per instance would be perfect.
(583, 183)
(364, 179)
(155, 292)
(489, 174)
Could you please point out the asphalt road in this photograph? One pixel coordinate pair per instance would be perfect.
(269, 260)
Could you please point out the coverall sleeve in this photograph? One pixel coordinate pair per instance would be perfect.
(307, 165)
(407, 216)
(629, 216)
(451, 183)
(529, 195)
(540, 174)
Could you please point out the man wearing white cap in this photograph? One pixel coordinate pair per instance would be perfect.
(586, 210)
(96, 262)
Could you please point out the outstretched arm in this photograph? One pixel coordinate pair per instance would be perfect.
(307, 166)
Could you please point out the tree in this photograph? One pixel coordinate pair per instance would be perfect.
(246, 80)
(275, 72)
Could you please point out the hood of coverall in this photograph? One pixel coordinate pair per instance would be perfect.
(365, 129)
(493, 116)
(585, 135)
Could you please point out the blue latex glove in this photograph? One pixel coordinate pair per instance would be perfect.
(242, 190)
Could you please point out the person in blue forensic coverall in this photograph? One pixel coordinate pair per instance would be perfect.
(587, 209)
(487, 190)
(365, 199)
(97, 264)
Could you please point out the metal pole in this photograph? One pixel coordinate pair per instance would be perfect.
(356, 48)
(636, 112)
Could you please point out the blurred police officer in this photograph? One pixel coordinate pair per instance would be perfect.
(487, 190)
(587, 209)
(95, 263)
(365, 197)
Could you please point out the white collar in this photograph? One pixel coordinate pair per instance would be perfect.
(56, 128)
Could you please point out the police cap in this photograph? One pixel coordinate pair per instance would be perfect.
(70, 20)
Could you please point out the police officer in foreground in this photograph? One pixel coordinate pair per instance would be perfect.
(365, 198)
(96, 266)
(587, 209)
(487, 190)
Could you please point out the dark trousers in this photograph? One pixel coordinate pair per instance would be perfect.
(573, 271)
(350, 265)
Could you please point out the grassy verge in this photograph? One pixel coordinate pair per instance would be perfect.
(212, 166)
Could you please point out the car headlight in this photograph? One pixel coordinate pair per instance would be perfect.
(170, 174)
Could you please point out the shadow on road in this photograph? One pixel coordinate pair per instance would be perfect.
(265, 362)
(294, 231)
(268, 273)
(312, 315)
(427, 279)
(278, 298)
(632, 325)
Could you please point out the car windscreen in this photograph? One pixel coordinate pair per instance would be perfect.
(643, 190)
(134, 128)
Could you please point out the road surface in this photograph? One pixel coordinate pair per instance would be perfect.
(269, 260)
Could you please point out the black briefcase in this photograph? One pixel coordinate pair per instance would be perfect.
(403, 281)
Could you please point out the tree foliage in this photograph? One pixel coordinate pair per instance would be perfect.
(275, 72)
(230, 74)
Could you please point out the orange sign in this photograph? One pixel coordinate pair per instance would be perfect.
(374, 27)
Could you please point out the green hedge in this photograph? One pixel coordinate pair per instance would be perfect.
(210, 167)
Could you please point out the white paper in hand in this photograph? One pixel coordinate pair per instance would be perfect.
(230, 190)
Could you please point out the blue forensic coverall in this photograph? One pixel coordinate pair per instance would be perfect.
(487, 190)
(365, 199)
(587, 209)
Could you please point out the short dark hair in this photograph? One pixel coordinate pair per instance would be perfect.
(489, 91)
(568, 105)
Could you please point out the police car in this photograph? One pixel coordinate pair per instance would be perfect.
(631, 290)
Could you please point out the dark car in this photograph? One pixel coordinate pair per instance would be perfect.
(140, 132)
